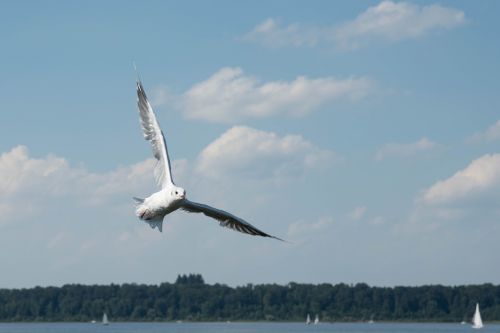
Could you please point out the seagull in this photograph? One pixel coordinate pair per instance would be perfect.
(170, 198)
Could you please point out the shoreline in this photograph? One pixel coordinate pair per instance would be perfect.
(179, 322)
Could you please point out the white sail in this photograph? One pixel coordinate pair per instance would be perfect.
(105, 319)
(477, 322)
(308, 320)
(316, 320)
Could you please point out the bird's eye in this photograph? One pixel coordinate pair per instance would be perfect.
(176, 192)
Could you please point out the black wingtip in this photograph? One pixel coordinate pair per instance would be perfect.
(138, 78)
(140, 89)
(285, 241)
(263, 234)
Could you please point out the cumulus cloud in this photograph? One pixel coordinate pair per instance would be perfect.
(17, 171)
(31, 186)
(490, 134)
(378, 220)
(471, 195)
(229, 95)
(387, 21)
(396, 21)
(71, 218)
(301, 228)
(252, 153)
(357, 213)
(162, 95)
(480, 176)
(423, 145)
(28, 184)
(52, 176)
(272, 34)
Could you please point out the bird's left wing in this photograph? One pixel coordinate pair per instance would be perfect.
(154, 134)
(226, 219)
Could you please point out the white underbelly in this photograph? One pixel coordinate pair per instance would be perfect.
(155, 207)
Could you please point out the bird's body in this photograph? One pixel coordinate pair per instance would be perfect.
(154, 208)
(170, 198)
(158, 204)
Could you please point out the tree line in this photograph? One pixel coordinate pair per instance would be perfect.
(191, 299)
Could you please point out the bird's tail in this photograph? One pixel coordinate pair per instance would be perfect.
(138, 201)
(156, 223)
(143, 213)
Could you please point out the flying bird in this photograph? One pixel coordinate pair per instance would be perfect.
(170, 198)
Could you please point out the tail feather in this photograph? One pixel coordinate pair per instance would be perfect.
(156, 224)
(143, 212)
(138, 200)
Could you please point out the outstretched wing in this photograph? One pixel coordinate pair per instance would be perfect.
(153, 133)
(226, 219)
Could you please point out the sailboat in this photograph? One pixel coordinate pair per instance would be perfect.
(308, 319)
(316, 320)
(476, 320)
(105, 319)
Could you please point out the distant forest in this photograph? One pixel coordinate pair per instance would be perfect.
(190, 299)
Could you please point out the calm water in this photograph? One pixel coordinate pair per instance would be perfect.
(241, 328)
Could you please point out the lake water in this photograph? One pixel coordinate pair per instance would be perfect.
(239, 328)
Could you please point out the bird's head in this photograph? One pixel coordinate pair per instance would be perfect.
(178, 193)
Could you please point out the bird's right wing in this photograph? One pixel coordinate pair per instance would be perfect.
(153, 133)
(226, 219)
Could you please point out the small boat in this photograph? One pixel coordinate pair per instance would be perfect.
(308, 320)
(477, 322)
(316, 320)
(105, 319)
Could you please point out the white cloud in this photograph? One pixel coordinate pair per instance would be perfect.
(229, 95)
(70, 218)
(48, 188)
(28, 185)
(255, 154)
(358, 213)
(22, 177)
(161, 95)
(396, 21)
(491, 134)
(378, 220)
(18, 171)
(478, 177)
(271, 34)
(304, 228)
(423, 145)
(387, 21)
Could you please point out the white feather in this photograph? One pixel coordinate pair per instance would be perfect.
(153, 133)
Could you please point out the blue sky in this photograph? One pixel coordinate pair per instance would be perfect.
(366, 133)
